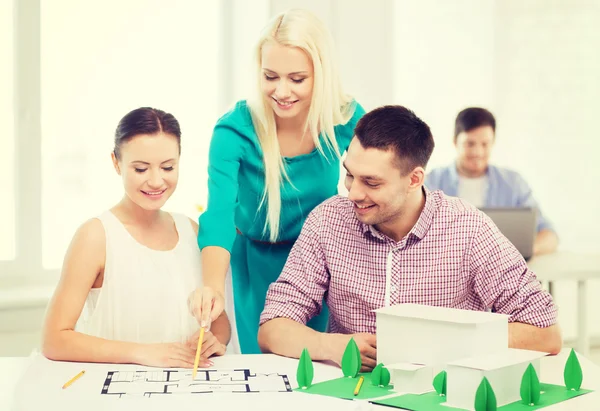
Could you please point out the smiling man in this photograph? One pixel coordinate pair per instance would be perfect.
(473, 178)
(392, 241)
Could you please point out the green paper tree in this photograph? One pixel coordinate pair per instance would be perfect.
(385, 377)
(380, 376)
(485, 399)
(573, 374)
(439, 383)
(305, 371)
(376, 375)
(351, 361)
(530, 386)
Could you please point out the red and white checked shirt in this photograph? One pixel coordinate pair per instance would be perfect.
(454, 256)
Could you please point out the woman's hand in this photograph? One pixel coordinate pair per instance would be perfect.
(210, 344)
(170, 355)
(206, 304)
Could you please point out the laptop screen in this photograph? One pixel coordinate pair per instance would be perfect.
(517, 224)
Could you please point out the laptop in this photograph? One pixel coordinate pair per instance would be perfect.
(517, 224)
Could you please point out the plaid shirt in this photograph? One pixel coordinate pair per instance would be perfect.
(454, 256)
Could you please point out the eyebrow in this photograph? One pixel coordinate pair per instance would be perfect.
(146, 163)
(289, 74)
(369, 178)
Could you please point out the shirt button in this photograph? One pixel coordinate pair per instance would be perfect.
(393, 288)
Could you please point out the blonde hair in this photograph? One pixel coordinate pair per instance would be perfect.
(329, 105)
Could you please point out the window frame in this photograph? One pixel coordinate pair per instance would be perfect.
(26, 267)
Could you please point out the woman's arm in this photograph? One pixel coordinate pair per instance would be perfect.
(83, 264)
(211, 297)
(217, 232)
(211, 302)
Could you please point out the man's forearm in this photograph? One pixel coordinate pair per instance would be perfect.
(288, 338)
(545, 242)
(530, 337)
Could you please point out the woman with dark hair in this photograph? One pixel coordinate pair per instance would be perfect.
(122, 296)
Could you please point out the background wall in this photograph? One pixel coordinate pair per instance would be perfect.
(533, 63)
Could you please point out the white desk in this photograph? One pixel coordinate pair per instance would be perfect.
(580, 267)
(35, 384)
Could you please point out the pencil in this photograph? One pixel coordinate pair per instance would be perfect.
(198, 350)
(358, 385)
(72, 380)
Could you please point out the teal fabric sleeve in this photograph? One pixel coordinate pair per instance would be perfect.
(217, 225)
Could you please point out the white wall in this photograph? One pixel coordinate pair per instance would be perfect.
(443, 62)
(548, 65)
(548, 99)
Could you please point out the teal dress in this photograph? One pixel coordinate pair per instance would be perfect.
(234, 221)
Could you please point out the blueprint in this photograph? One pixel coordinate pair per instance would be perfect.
(160, 382)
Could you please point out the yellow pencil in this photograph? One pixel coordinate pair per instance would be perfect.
(72, 380)
(358, 385)
(198, 350)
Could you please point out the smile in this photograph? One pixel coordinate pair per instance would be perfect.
(284, 104)
(362, 209)
(154, 193)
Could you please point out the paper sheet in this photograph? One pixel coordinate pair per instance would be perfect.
(151, 383)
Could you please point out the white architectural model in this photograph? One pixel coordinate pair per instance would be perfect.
(423, 334)
(413, 378)
(417, 341)
(503, 370)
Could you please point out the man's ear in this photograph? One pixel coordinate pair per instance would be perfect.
(417, 178)
(115, 163)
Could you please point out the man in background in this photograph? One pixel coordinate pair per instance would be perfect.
(474, 179)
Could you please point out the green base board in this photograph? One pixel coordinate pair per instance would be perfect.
(431, 401)
(344, 388)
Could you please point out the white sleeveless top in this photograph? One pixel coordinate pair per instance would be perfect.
(144, 294)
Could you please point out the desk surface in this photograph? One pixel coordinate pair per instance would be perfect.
(35, 383)
(566, 265)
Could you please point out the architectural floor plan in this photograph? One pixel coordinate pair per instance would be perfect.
(160, 382)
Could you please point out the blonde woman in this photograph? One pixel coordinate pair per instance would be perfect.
(272, 160)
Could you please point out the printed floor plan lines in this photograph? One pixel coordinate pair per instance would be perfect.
(148, 383)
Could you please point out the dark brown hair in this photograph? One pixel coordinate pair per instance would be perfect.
(399, 129)
(145, 120)
(472, 118)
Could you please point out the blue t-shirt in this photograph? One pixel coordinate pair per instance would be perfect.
(505, 188)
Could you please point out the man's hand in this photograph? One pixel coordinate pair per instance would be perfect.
(367, 345)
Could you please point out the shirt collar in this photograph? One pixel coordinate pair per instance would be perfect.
(454, 176)
(426, 218)
(421, 226)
